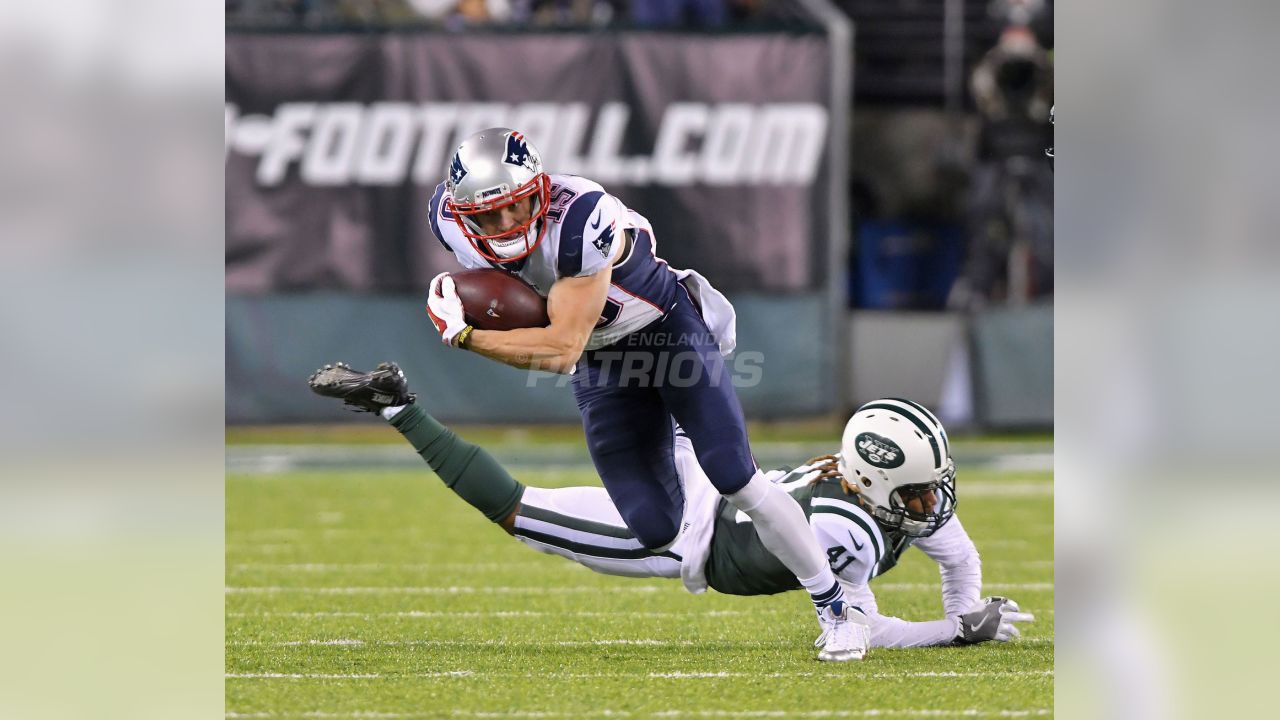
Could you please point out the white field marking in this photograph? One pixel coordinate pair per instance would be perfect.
(467, 643)
(1004, 489)
(986, 586)
(342, 676)
(483, 567)
(1021, 462)
(383, 567)
(868, 712)
(353, 642)
(260, 548)
(632, 676)
(502, 614)
(875, 676)
(539, 590)
(428, 590)
(536, 714)
(375, 714)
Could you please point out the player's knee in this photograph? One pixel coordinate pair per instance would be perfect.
(655, 529)
(729, 468)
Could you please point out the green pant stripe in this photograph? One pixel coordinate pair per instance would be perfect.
(573, 523)
(592, 550)
(875, 544)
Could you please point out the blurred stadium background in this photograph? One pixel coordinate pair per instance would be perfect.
(865, 180)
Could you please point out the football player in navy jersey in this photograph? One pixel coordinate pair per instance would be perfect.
(620, 318)
(892, 487)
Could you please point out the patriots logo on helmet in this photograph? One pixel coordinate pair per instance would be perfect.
(518, 151)
(456, 170)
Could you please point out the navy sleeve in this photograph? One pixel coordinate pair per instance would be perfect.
(587, 235)
(434, 210)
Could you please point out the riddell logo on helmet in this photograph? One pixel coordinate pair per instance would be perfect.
(879, 450)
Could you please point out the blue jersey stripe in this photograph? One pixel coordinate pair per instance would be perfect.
(644, 277)
(434, 210)
(572, 233)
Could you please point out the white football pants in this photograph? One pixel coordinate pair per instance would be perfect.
(583, 525)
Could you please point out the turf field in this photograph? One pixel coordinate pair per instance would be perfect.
(359, 587)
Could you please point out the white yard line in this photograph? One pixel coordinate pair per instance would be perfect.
(628, 676)
(480, 566)
(986, 586)
(442, 590)
(996, 488)
(540, 590)
(354, 642)
(864, 712)
(384, 567)
(462, 643)
(500, 614)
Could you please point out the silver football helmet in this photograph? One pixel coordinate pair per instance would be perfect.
(895, 455)
(491, 170)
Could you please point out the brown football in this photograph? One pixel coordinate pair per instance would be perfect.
(494, 300)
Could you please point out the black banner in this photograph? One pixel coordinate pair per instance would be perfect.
(335, 143)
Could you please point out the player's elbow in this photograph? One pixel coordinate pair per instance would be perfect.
(561, 360)
(559, 364)
(567, 348)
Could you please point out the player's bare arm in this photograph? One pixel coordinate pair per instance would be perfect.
(573, 305)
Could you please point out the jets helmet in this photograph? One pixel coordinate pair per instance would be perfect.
(895, 455)
(490, 170)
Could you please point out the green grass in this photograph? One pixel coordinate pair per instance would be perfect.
(821, 429)
(431, 611)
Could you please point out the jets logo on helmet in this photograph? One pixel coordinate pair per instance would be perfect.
(896, 453)
(879, 451)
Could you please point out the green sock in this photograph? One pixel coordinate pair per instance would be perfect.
(465, 469)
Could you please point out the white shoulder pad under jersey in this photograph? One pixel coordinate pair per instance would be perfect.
(583, 235)
(849, 536)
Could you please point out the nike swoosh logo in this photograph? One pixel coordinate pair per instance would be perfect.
(855, 542)
(596, 225)
(979, 626)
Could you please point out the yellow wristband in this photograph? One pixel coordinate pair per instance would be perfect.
(461, 340)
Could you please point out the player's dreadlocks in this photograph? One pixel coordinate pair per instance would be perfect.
(827, 470)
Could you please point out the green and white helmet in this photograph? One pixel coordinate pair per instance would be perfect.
(893, 452)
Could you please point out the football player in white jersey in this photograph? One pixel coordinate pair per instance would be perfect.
(891, 487)
(621, 322)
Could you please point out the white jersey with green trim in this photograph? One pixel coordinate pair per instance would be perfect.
(857, 547)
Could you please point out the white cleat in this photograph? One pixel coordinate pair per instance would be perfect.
(846, 633)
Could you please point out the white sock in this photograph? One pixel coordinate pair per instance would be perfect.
(784, 530)
(390, 412)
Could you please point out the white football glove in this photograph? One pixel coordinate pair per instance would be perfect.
(992, 618)
(445, 309)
